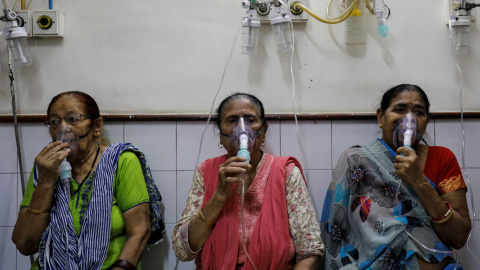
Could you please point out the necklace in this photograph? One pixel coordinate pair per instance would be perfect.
(93, 164)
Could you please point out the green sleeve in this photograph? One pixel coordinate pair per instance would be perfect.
(28, 191)
(130, 188)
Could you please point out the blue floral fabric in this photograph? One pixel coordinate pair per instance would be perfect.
(368, 215)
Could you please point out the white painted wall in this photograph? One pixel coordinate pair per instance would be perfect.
(156, 57)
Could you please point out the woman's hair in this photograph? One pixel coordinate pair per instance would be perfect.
(235, 96)
(91, 107)
(396, 90)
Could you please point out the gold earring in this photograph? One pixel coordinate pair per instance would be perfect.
(380, 125)
(97, 134)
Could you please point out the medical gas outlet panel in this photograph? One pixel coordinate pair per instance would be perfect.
(43, 23)
(264, 10)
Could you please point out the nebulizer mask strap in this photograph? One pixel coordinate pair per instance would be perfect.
(257, 132)
(90, 130)
(73, 139)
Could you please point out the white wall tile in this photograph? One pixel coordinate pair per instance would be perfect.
(7, 249)
(161, 256)
(184, 183)
(8, 151)
(23, 262)
(166, 182)
(273, 138)
(19, 189)
(349, 133)
(315, 139)
(157, 140)
(318, 185)
(465, 258)
(113, 131)
(475, 185)
(34, 137)
(8, 199)
(429, 136)
(189, 135)
(448, 133)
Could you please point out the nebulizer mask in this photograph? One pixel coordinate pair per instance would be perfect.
(65, 135)
(243, 138)
(405, 133)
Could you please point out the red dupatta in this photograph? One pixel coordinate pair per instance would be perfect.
(270, 240)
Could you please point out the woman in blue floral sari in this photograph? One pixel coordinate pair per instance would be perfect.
(391, 207)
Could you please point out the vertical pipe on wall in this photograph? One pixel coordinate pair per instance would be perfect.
(22, 4)
(50, 4)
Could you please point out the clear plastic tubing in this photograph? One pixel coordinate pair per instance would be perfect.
(243, 152)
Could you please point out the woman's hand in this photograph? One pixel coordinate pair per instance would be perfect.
(230, 172)
(48, 161)
(30, 226)
(408, 167)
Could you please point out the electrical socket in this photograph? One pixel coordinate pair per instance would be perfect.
(301, 18)
(27, 18)
(47, 23)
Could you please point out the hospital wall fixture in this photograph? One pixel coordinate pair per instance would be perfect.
(459, 21)
(279, 19)
(16, 37)
(277, 13)
(47, 23)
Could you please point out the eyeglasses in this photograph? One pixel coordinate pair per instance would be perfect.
(72, 119)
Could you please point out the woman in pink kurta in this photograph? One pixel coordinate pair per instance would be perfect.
(281, 230)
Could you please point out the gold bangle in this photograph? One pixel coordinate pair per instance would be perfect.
(37, 212)
(447, 218)
(204, 219)
(448, 215)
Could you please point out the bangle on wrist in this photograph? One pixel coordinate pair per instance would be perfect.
(204, 219)
(123, 264)
(37, 212)
(446, 217)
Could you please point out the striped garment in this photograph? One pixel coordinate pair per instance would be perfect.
(60, 248)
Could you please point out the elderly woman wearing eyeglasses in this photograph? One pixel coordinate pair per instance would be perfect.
(103, 217)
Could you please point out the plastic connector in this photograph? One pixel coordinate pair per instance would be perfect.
(65, 170)
(295, 10)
